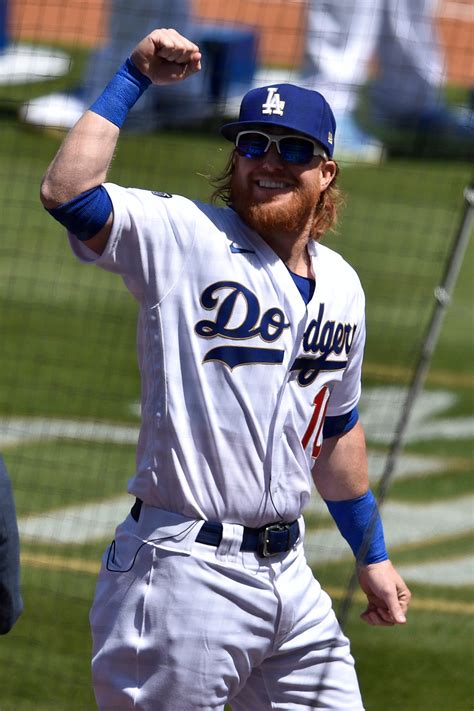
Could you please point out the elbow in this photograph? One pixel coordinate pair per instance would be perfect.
(50, 197)
(55, 192)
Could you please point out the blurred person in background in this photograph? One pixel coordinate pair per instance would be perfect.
(343, 37)
(11, 604)
(180, 104)
(408, 92)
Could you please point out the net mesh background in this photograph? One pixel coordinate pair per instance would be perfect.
(69, 384)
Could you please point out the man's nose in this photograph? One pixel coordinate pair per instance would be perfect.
(272, 159)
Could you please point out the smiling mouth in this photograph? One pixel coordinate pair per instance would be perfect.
(273, 184)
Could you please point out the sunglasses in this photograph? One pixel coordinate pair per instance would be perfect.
(292, 148)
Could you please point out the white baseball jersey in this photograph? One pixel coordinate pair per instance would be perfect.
(237, 371)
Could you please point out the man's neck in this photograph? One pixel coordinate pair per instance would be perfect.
(301, 265)
(294, 252)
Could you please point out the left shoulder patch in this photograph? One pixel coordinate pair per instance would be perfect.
(158, 193)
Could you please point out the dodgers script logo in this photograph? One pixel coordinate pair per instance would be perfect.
(324, 339)
(238, 317)
(273, 104)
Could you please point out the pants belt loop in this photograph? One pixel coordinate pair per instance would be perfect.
(229, 547)
(302, 527)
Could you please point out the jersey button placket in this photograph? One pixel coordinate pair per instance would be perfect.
(278, 432)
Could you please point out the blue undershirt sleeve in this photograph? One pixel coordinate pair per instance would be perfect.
(340, 424)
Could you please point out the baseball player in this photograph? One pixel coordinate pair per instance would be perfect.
(250, 341)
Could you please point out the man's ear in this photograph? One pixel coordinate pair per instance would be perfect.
(328, 173)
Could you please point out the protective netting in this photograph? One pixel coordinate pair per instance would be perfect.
(400, 76)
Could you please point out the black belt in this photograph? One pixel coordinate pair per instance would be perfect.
(266, 541)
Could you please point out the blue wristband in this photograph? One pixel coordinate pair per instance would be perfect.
(121, 93)
(86, 213)
(360, 524)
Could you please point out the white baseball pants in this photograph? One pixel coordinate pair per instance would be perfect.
(180, 625)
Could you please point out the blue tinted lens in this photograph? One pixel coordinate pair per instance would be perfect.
(252, 145)
(292, 149)
(296, 150)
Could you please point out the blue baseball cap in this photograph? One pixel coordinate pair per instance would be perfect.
(288, 106)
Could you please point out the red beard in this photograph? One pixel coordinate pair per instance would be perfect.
(271, 217)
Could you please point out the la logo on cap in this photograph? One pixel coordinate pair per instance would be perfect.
(273, 104)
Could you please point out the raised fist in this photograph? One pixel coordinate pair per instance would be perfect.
(165, 56)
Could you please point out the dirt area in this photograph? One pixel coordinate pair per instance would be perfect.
(279, 22)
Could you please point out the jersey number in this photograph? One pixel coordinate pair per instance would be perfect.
(316, 423)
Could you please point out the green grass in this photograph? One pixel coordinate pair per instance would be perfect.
(417, 667)
(436, 487)
(449, 548)
(48, 652)
(443, 447)
(68, 350)
(68, 471)
(55, 357)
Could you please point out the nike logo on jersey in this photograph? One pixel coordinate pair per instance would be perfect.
(235, 249)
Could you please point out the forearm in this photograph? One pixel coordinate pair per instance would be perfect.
(82, 162)
(72, 189)
(341, 476)
(85, 156)
(341, 470)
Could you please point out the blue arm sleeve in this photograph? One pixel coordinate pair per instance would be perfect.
(341, 423)
(86, 213)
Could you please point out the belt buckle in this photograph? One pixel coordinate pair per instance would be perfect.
(264, 539)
